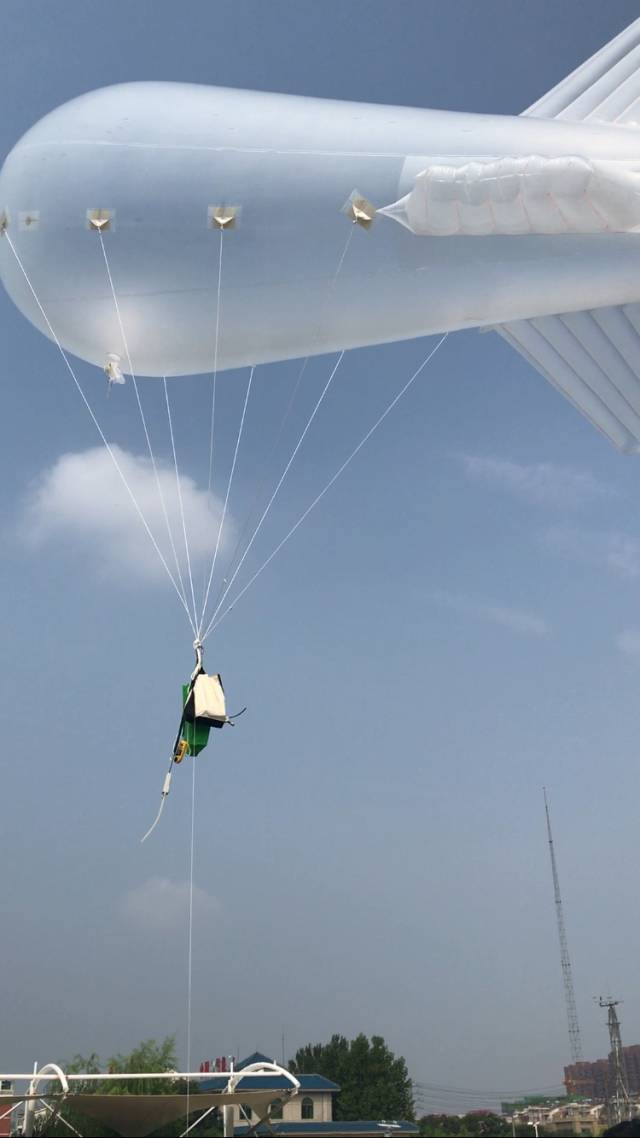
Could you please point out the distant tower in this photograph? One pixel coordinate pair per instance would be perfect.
(620, 1098)
(575, 1044)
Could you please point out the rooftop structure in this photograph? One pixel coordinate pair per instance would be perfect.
(250, 1098)
(49, 1089)
(309, 1112)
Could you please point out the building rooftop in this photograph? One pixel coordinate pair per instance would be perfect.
(277, 1082)
(256, 1057)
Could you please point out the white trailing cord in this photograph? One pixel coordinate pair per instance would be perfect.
(96, 424)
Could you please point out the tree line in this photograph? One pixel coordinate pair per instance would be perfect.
(374, 1086)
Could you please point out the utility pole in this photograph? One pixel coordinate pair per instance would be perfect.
(575, 1044)
(620, 1099)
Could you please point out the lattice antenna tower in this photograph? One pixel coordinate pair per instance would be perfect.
(575, 1043)
(620, 1097)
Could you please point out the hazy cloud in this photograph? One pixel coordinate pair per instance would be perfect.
(617, 552)
(518, 620)
(628, 641)
(542, 483)
(162, 904)
(81, 499)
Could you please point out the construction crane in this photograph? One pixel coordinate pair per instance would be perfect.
(575, 1044)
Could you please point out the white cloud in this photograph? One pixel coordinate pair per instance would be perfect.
(161, 904)
(518, 620)
(81, 500)
(628, 641)
(543, 483)
(617, 552)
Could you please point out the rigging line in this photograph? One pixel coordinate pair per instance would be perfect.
(214, 382)
(215, 365)
(341, 260)
(144, 422)
(330, 289)
(214, 623)
(190, 937)
(259, 495)
(179, 490)
(96, 424)
(226, 501)
(275, 492)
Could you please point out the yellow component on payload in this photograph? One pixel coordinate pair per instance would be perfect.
(181, 751)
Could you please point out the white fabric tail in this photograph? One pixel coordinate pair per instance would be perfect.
(605, 88)
(593, 358)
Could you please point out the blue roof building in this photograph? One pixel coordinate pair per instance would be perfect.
(310, 1112)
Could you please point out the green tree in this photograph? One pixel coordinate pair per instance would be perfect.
(485, 1122)
(374, 1084)
(437, 1125)
(147, 1056)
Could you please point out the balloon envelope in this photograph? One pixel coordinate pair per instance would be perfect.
(157, 160)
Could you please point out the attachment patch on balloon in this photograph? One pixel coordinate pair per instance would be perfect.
(100, 219)
(359, 210)
(222, 216)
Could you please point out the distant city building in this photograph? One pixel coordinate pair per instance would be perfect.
(595, 1080)
(569, 1118)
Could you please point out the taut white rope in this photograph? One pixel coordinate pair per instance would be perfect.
(275, 492)
(98, 427)
(258, 497)
(330, 289)
(215, 364)
(318, 498)
(144, 423)
(179, 490)
(190, 938)
(226, 501)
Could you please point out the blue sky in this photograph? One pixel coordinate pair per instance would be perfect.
(457, 624)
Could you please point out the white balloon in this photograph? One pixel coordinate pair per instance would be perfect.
(157, 160)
